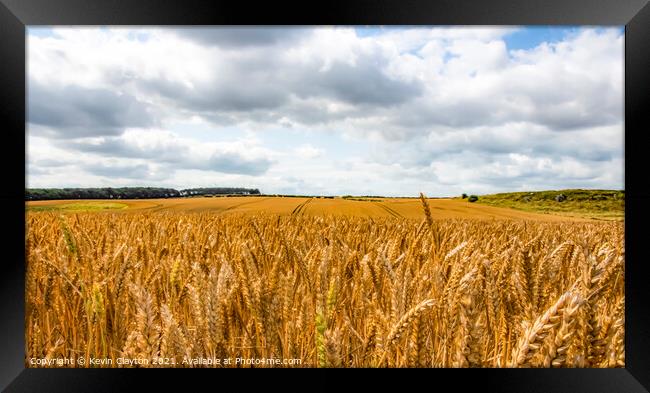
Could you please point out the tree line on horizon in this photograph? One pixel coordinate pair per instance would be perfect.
(36, 194)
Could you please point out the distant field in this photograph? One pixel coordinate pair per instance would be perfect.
(354, 207)
(596, 204)
(76, 206)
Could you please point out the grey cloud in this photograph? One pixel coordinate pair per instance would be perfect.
(571, 102)
(265, 87)
(35, 170)
(311, 113)
(73, 111)
(237, 37)
(564, 116)
(363, 83)
(117, 147)
(138, 171)
(532, 182)
(426, 148)
(494, 173)
(577, 148)
(482, 149)
(233, 91)
(49, 162)
(561, 99)
(233, 97)
(428, 112)
(178, 156)
(498, 109)
(235, 163)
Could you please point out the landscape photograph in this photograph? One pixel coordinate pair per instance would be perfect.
(324, 197)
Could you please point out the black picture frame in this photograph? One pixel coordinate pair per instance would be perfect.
(15, 15)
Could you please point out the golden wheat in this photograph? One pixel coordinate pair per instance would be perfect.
(331, 291)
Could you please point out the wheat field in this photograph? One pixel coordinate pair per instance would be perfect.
(331, 291)
(363, 207)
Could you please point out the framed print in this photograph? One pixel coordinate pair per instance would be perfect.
(365, 185)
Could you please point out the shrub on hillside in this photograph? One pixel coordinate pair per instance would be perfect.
(472, 198)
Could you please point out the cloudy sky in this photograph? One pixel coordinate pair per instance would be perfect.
(328, 110)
